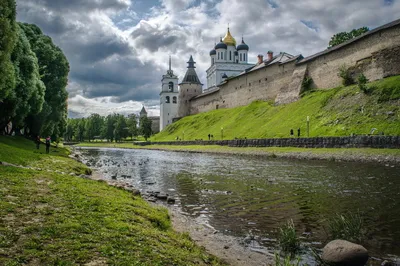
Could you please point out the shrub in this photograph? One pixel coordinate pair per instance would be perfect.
(361, 82)
(347, 227)
(344, 73)
(306, 84)
(288, 240)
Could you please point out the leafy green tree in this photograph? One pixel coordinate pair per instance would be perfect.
(70, 129)
(28, 95)
(7, 41)
(121, 129)
(54, 69)
(108, 127)
(342, 37)
(132, 125)
(145, 127)
(80, 129)
(93, 126)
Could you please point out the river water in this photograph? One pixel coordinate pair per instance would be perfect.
(249, 195)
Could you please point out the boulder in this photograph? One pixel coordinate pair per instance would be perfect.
(161, 196)
(344, 253)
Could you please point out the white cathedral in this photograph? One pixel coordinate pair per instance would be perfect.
(227, 60)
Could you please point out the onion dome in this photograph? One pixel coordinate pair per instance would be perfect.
(220, 45)
(213, 52)
(242, 46)
(229, 40)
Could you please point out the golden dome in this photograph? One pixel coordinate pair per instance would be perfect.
(228, 39)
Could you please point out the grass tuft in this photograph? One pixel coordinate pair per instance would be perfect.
(287, 239)
(347, 227)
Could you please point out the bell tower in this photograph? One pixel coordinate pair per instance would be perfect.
(168, 97)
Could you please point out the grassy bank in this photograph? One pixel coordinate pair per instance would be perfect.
(348, 154)
(49, 217)
(334, 112)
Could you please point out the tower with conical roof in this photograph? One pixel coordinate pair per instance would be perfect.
(189, 88)
(227, 59)
(168, 97)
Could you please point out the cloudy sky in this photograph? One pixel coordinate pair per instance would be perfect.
(118, 49)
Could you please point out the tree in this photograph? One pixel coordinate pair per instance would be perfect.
(132, 125)
(93, 126)
(28, 95)
(342, 37)
(145, 127)
(108, 127)
(7, 41)
(120, 129)
(53, 69)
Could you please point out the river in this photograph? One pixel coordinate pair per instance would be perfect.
(249, 195)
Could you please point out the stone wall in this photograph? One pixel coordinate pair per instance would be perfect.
(376, 55)
(392, 142)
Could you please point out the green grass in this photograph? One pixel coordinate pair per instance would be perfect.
(49, 218)
(334, 112)
(347, 227)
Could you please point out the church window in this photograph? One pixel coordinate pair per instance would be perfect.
(174, 99)
(244, 57)
(240, 57)
(230, 55)
(167, 99)
(237, 61)
(187, 89)
(212, 61)
(170, 86)
(218, 55)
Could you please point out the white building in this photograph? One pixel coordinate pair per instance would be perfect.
(227, 60)
(168, 98)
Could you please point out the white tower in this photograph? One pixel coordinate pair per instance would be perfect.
(168, 98)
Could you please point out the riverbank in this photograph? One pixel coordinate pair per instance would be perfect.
(368, 155)
(52, 213)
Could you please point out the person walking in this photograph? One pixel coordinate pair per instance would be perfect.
(48, 140)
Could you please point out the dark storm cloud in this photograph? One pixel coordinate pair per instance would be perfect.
(152, 39)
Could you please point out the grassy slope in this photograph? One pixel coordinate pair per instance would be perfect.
(48, 218)
(334, 112)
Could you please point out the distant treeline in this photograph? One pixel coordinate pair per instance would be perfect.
(33, 79)
(115, 127)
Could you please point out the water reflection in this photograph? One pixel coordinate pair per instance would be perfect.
(239, 194)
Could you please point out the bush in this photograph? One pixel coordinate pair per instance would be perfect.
(347, 227)
(288, 240)
(344, 73)
(306, 84)
(361, 82)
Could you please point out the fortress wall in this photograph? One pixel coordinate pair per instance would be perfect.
(364, 54)
(376, 55)
(205, 103)
(263, 84)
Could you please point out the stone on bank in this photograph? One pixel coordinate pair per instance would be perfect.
(344, 253)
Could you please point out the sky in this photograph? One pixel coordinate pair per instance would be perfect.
(118, 50)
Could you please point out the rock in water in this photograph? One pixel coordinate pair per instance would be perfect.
(344, 253)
